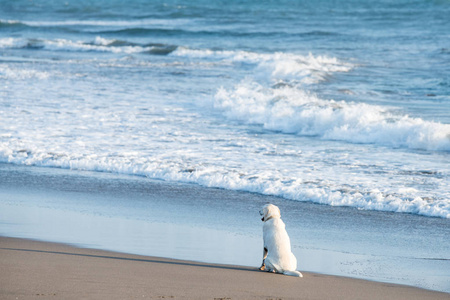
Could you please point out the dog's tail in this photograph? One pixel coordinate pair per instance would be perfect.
(293, 273)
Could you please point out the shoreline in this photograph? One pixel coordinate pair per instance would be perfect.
(137, 215)
(35, 269)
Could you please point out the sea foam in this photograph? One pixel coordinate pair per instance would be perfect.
(294, 68)
(275, 96)
(293, 110)
(99, 44)
(287, 67)
(267, 183)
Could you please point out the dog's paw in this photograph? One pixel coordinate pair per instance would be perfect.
(262, 268)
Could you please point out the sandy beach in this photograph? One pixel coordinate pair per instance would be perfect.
(41, 270)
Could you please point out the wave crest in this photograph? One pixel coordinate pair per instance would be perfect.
(99, 44)
(292, 110)
(402, 200)
(289, 67)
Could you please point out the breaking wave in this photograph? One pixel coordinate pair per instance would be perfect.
(279, 66)
(99, 44)
(292, 110)
(403, 200)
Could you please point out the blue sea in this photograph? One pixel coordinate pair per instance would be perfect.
(345, 104)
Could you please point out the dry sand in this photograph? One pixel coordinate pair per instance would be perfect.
(40, 270)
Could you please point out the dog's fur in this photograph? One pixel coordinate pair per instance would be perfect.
(278, 257)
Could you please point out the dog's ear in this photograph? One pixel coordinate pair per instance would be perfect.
(264, 212)
(275, 211)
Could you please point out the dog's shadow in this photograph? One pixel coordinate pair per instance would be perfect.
(159, 260)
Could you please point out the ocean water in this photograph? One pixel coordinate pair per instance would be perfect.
(340, 103)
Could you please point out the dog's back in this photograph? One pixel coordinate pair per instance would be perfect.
(278, 244)
(276, 238)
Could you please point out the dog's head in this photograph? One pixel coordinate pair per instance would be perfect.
(269, 211)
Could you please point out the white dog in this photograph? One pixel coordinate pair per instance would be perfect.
(277, 246)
